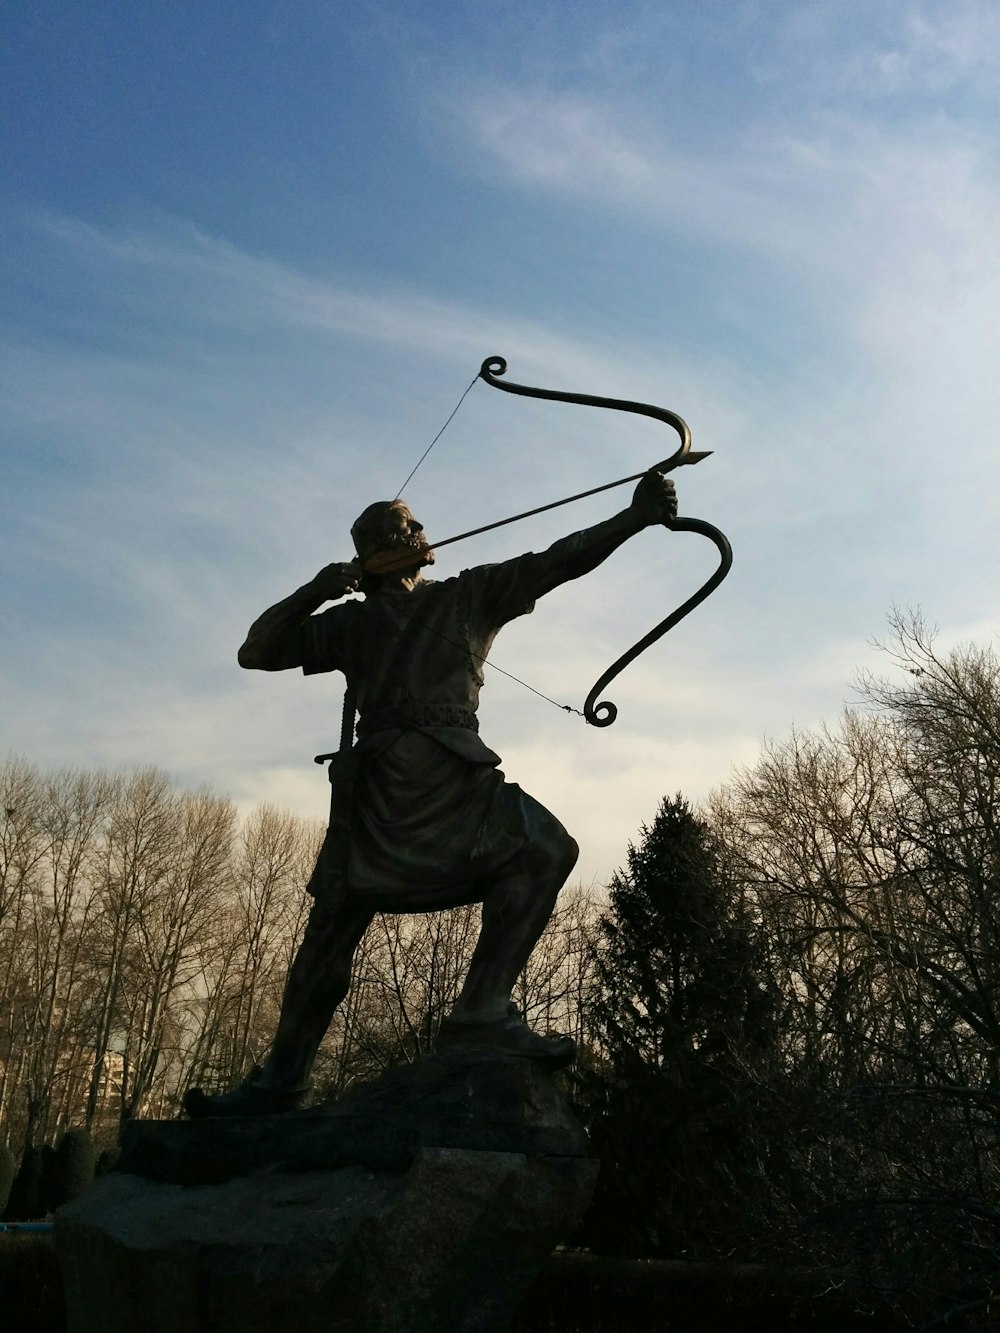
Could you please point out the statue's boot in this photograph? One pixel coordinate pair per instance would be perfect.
(249, 1099)
(511, 1035)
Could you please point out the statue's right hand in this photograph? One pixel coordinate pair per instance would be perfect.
(337, 580)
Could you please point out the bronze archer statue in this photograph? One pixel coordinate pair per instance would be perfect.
(432, 823)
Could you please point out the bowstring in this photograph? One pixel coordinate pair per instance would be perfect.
(565, 708)
(420, 624)
(437, 437)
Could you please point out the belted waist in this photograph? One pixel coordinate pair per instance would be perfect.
(418, 715)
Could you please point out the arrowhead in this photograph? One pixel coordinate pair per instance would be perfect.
(694, 457)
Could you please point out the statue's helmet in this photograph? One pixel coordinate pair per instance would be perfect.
(368, 529)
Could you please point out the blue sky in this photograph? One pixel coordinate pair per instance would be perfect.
(254, 253)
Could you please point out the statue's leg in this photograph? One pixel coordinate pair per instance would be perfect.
(517, 904)
(318, 980)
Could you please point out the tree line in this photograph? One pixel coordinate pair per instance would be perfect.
(145, 934)
(796, 1013)
(787, 1003)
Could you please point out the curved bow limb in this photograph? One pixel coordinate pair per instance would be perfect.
(495, 366)
(604, 713)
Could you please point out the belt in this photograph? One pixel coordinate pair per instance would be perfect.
(409, 716)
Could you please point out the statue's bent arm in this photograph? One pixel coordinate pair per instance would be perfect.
(274, 642)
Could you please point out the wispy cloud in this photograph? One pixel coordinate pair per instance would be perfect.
(888, 231)
(936, 48)
(835, 195)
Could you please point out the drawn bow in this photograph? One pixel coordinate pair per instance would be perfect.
(602, 714)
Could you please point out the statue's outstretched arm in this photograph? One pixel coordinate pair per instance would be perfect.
(654, 502)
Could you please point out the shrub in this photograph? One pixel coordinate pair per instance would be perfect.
(106, 1162)
(31, 1285)
(50, 1178)
(75, 1167)
(8, 1170)
(26, 1201)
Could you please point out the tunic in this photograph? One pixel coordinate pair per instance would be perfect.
(431, 812)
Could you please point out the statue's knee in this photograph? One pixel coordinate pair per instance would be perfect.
(570, 853)
(550, 853)
(340, 975)
(561, 853)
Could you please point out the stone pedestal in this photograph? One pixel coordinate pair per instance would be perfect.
(426, 1201)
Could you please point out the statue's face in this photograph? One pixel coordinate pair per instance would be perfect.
(393, 532)
(399, 529)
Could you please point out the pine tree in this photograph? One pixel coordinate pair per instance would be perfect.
(50, 1169)
(676, 1111)
(106, 1162)
(75, 1166)
(8, 1170)
(26, 1202)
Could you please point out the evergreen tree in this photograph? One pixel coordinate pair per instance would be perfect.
(106, 1162)
(26, 1202)
(50, 1168)
(75, 1167)
(677, 1110)
(8, 1170)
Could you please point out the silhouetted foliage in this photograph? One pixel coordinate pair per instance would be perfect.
(31, 1289)
(27, 1202)
(106, 1162)
(789, 1013)
(51, 1172)
(8, 1170)
(677, 1108)
(870, 853)
(75, 1167)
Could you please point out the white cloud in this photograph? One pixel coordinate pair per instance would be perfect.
(889, 229)
(935, 49)
(833, 195)
(559, 142)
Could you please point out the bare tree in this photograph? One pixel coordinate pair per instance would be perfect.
(169, 922)
(74, 806)
(134, 861)
(870, 857)
(409, 970)
(145, 937)
(555, 988)
(245, 949)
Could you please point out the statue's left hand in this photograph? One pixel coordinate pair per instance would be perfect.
(654, 501)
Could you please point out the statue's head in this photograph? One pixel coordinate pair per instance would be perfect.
(388, 530)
